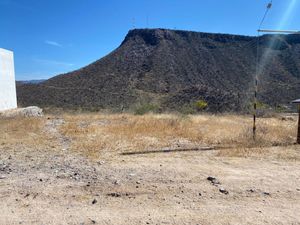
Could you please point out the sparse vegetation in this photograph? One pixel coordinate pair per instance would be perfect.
(261, 105)
(23, 131)
(109, 134)
(142, 109)
(95, 134)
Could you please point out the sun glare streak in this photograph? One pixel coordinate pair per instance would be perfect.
(288, 14)
(283, 22)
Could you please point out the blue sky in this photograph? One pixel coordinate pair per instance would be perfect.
(50, 37)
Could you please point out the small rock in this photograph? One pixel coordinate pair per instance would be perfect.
(266, 193)
(116, 182)
(26, 195)
(114, 195)
(100, 162)
(94, 201)
(224, 191)
(35, 195)
(213, 180)
(93, 221)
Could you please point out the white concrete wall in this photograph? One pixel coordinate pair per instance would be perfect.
(8, 98)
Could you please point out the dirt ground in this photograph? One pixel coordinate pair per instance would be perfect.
(50, 182)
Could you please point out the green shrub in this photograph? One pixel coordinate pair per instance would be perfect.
(280, 108)
(201, 105)
(194, 107)
(261, 105)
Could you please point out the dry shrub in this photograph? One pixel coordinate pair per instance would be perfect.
(271, 132)
(237, 131)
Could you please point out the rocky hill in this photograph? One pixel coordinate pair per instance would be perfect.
(171, 69)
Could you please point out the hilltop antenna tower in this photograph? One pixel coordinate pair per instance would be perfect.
(133, 23)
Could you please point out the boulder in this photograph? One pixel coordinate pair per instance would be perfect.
(31, 111)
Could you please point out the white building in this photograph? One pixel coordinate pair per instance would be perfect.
(8, 98)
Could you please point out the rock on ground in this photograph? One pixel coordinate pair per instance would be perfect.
(31, 111)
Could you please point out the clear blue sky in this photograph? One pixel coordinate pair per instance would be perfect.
(50, 37)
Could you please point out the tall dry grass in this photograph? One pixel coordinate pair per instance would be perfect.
(25, 131)
(100, 134)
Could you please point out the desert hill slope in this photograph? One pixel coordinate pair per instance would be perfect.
(172, 69)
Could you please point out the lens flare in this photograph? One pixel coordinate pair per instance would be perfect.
(288, 13)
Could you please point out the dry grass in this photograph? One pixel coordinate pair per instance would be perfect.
(25, 131)
(96, 135)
